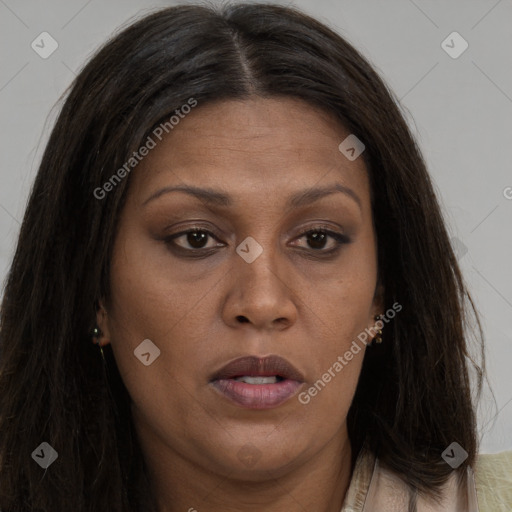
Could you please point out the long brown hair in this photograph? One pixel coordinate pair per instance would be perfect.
(414, 396)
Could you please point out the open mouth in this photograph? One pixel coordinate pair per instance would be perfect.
(259, 380)
(258, 383)
(257, 392)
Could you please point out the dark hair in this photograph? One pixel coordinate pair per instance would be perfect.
(414, 395)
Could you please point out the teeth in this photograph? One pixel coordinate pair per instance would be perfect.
(257, 380)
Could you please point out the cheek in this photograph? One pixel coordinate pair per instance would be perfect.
(149, 302)
(145, 307)
(326, 401)
(343, 303)
(352, 289)
(341, 308)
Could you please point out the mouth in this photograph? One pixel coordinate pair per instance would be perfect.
(257, 383)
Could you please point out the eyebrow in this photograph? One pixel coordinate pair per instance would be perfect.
(222, 199)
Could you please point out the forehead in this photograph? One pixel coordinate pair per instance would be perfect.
(255, 146)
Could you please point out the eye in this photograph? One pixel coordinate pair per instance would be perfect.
(318, 237)
(193, 239)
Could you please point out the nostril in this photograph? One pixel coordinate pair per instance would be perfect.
(242, 319)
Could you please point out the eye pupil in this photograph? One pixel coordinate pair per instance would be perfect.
(318, 240)
(196, 237)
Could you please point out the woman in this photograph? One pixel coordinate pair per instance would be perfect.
(233, 288)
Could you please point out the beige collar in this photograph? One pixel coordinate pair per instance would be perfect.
(375, 488)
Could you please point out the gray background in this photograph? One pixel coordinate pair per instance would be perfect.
(459, 109)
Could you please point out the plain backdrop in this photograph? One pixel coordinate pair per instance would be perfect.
(459, 107)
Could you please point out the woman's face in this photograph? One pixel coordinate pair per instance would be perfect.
(245, 282)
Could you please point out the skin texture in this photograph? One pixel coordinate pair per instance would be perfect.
(296, 304)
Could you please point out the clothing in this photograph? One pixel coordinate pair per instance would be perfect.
(375, 488)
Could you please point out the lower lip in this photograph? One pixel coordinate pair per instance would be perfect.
(257, 396)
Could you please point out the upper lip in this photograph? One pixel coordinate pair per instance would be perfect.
(258, 367)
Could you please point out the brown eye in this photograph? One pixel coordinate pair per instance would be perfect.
(318, 238)
(193, 239)
(196, 239)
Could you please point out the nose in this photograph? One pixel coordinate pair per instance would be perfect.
(261, 293)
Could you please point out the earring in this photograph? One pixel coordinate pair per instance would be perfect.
(378, 337)
(96, 335)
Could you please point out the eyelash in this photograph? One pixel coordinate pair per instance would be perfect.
(339, 238)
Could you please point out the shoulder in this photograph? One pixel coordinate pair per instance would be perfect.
(493, 479)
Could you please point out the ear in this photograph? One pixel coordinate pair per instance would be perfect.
(103, 323)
